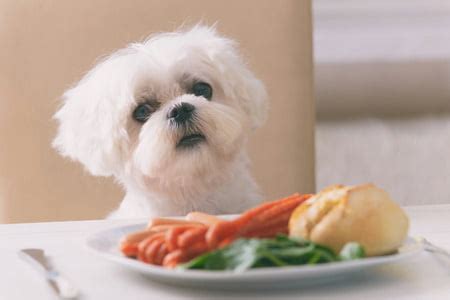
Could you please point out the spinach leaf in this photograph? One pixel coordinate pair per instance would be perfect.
(281, 251)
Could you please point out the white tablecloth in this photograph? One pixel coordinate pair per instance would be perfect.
(421, 277)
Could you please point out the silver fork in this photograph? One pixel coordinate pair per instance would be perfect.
(438, 252)
(430, 247)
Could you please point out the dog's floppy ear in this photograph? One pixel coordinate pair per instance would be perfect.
(251, 94)
(90, 129)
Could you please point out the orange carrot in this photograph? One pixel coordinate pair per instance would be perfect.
(203, 218)
(254, 229)
(217, 232)
(152, 250)
(195, 250)
(173, 234)
(192, 236)
(224, 229)
(275, 211)
(137, 236)
(251, 213)
(173, 258)
(142, 246)
(129, 250)
(162, 252)
(166, 221)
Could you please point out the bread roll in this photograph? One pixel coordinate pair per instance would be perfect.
(341, 214)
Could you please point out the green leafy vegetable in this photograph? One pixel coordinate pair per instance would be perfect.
(351, 251)
(281, 251)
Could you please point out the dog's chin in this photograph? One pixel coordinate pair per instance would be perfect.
(190, 141)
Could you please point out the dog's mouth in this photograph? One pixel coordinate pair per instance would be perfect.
(191, 140)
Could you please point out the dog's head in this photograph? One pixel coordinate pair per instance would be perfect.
(178, 105)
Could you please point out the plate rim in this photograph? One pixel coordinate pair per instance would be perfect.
(208, 275)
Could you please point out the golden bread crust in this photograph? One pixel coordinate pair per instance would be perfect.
(364, 214)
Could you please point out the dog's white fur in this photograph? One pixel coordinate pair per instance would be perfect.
(96, 125)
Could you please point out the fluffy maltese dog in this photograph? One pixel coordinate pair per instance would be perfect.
(169, 118)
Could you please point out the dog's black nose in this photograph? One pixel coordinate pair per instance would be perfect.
(181, 113)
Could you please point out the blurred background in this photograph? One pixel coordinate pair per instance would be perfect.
(382, 74)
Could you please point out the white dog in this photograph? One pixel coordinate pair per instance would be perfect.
(169, 118)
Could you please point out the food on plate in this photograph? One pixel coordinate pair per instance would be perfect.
(129, 243)
(244, 254)
(177, 243)
(339, 223)
(203, 218)
(265, 220)
(170, 222)
(339, 214)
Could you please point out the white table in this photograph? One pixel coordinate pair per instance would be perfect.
(423, 277)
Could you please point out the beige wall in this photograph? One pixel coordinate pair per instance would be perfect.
(48, 45)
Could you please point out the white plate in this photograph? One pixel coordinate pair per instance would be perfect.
(106, 244)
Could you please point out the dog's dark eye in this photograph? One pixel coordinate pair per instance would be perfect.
(202, 89)
(142, 112)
